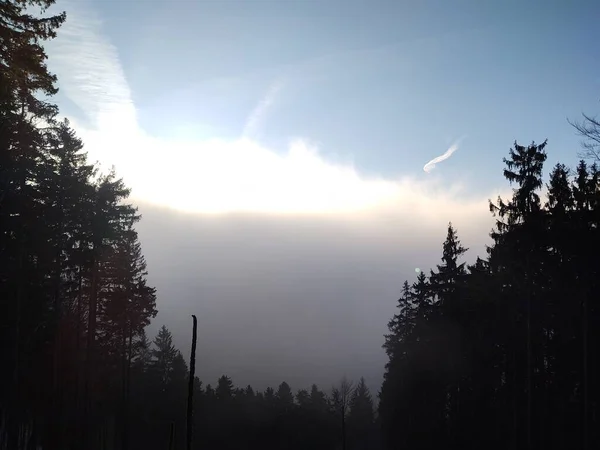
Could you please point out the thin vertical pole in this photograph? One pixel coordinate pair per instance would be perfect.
(172, 437)
(190, 404)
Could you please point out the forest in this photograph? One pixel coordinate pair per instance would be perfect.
(499, 354)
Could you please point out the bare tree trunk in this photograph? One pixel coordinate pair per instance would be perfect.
(341, 400)
(172, 437)
(190, 402)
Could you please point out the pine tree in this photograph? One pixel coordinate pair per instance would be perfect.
(340, 403)
(519, 241)
(303, 398)
(284, 396)
(24, 78)
(163, 357)
(447, 284)
(361, 418)
(142, 353)
(224, 390)
(403, 322)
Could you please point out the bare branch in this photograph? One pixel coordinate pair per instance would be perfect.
(589, 129)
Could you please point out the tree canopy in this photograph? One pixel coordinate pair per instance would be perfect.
(500, 353)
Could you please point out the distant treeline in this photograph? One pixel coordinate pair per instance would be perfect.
(500, 354)
(229, 417)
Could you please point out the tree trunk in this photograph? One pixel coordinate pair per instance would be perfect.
(125, 435)
(78, 387)
(343, 431)
(190, 402)
(90, 358)
(56, 409)
(14, 416)
(586, 392)
(529, 373)
(119, 431)
(172, 437)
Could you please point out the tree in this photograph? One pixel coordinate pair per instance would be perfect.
(224, 390)
(24, 79)
(361, 418)
(521, 237)
(303, 398)
(340, 402)
(403, 322)
(445, 282)
(589, 129)
(284, 396)
(500, 353)
(447, 285)
(23, 61)
(164, 355)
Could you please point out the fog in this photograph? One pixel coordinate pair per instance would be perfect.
(303, 299)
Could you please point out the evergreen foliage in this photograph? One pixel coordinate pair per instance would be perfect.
(502, 353)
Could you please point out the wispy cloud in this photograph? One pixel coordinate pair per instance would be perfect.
(216, 175)
(311, 230)
(88, 67)
(256, 116)
(447, 154)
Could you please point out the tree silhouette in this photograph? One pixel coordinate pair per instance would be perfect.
(361, 418)
(589, 129)
(340, 402)
(500, 353)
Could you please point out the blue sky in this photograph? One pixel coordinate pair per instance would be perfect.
(387, 85)
(276, 152)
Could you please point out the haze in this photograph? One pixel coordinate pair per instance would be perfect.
(276, 154)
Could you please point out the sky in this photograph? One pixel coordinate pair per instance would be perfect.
(295, 161)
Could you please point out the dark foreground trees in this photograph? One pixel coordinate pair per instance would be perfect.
(504, 353)
(77, 370)
(73, 293)
(230, 417)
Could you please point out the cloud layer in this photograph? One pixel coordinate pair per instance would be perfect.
(214, 176)
(292, 263)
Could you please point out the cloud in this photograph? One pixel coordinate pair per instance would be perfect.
(89, 70)
(242, 176)
(256, 116)
(431, 164)
(292, 263)
(216, 176)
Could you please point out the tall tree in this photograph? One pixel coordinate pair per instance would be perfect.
(164, 356)
(24, 78)
(361, 418)
(340, 402)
